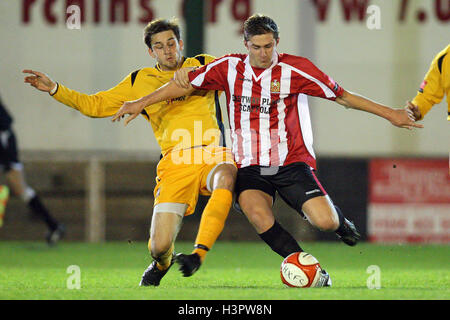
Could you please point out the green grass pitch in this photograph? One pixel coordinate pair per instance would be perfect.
(232, 271)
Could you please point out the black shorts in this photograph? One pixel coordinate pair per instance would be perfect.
(296, 183)
(9, 158)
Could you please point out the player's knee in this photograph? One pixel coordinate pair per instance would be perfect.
(226, 178)
(226, 181)
(326, 223)
(159, 248)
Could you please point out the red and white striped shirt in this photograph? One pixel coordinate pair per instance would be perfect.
(268, 108)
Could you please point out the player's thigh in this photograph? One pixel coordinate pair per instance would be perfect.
(15, 179)
(254, 197)
(321, 213)
(257, 207)
(176, 183)
(299, 187)
(296, 184)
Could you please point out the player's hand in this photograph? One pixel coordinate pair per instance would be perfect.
(39, 80)
(413, 111)
(133, 108)
(181, 77)
(401, 118)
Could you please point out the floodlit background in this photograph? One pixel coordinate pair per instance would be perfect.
(84, 166)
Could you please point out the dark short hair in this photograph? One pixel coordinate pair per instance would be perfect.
(259, 24)
(160, 25)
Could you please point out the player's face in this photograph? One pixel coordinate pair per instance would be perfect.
(166, 49)
(260, 49)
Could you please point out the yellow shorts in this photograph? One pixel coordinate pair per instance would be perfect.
(184, 174)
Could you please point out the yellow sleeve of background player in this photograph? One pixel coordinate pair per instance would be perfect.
(431, 91)
(99, 105)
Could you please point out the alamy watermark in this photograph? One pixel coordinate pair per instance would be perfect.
(74, 279)
(374, 280)
(73, 22)
(373, 21)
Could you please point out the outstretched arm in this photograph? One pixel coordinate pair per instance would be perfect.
(168, 91)
(99, 105)
(398, 117)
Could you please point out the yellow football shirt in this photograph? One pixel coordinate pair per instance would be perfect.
(183, 122)
(436, 84)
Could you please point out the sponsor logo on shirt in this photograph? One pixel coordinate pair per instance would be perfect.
(245, 79)
(182, 98)
(255, 104)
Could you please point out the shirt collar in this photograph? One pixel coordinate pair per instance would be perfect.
(158, 67)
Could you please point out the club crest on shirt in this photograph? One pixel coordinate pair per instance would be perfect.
(275, 86)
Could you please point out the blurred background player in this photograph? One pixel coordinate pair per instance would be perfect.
(435, 85)
(4, 196)
(15, 179)
(196, 165)
(266, 96)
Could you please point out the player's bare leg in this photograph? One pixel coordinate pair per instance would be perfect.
(213, 218)
(257, 207)
(163, 232)
(321, 213)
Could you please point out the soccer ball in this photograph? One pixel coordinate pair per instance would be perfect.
(301, 270)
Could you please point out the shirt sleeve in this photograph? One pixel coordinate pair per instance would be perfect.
(211, 76)
(308, 79)
(98, 105)
(431, 91)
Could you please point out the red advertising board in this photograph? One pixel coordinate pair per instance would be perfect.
(409, 200)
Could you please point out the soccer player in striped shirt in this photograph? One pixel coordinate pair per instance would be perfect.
(271, 132)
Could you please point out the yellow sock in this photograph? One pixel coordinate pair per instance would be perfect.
(213, 220)
(164, 261)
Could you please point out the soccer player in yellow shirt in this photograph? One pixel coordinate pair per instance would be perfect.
(193, 160)
(435, 85)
